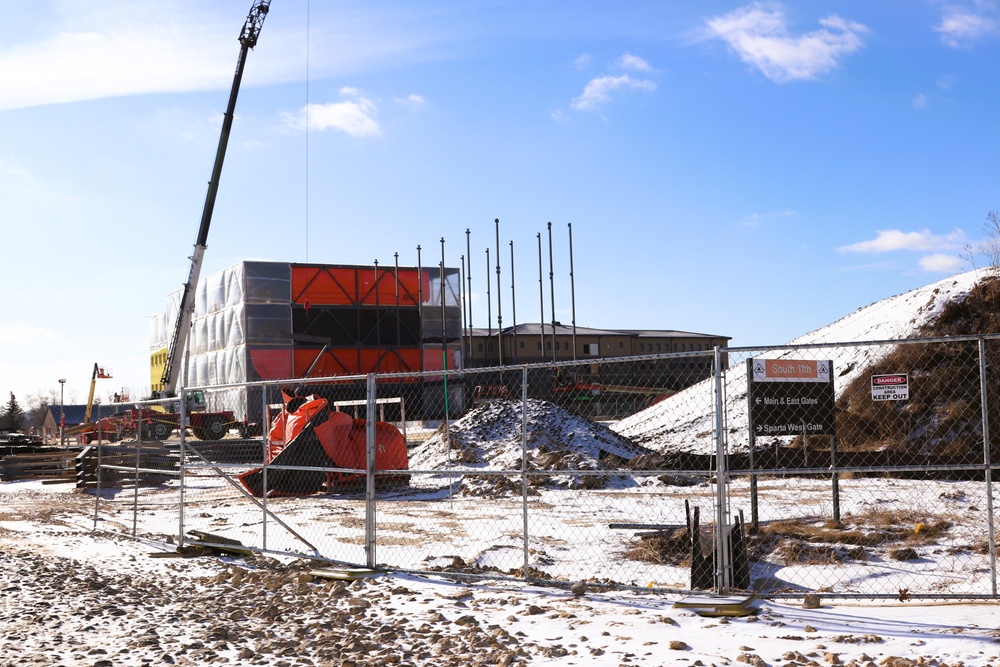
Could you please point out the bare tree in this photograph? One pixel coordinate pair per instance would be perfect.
(38, 406)
(986, 251)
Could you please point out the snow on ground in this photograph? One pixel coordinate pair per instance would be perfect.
(685, 421)
(71, 596)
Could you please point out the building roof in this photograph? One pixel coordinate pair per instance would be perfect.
(75, 413)
(535, 329)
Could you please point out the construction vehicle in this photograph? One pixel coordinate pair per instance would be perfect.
(106, 428)
(307, 436)
(158, 423)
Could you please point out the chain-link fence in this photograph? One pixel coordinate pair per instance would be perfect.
(858, 469)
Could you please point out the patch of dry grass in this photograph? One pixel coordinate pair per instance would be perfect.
(661, 548)
(807, 541)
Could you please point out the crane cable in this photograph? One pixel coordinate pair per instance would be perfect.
(307, 127)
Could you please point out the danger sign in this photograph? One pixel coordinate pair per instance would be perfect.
(890, 387)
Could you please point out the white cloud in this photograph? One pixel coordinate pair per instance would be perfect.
(356, 118)
(411, 101)
(104, 49)
(582, 61)
(759, 34)
(891, 240)
(920, 101)
(941, 263)
(960, 27)
(633, 63)
(757, 219)
(598, 91)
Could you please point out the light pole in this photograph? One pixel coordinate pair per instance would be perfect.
(62, 413)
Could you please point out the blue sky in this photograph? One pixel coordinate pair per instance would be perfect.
(751, 169)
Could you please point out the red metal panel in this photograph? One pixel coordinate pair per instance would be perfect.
(358, 286)
(354, 361)
(271, 363)
(325, 285)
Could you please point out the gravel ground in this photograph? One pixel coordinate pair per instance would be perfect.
(70, 596)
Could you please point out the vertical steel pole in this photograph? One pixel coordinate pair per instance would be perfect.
(572, 286)
(465, 332)
(399, 345)
(370, 474)
(499, 300)
(722, 566)
(552, 296)
(378, 324)
(420, 307)
(489, 311)
(513, 305)
(987, 464)
(468, 253)
(444, 343)
(541, 302)
(62, 412)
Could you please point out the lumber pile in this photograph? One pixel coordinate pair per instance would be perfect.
(51, 466)
(131, 464)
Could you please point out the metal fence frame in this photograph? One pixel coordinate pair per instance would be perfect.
(191, 463)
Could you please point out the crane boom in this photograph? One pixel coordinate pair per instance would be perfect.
(178, 340)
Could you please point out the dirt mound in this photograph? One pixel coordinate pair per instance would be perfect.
(489, 437)
(943, 415)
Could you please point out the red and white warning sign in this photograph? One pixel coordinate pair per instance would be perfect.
(894, 387)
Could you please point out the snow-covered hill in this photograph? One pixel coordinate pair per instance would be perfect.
(685, 422)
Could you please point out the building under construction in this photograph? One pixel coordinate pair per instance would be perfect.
(277, 321)
(259, 321)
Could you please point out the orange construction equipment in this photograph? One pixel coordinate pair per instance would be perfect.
(308, 434)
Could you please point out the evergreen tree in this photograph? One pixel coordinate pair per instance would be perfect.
(12, 418)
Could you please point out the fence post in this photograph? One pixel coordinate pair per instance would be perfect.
(722, 569)
(370, 474)
(524, 464)
(265, 428)
(987, 463)
(135, 482)
(182, 433)
(754, 513)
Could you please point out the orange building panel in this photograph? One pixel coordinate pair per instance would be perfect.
(356, 361)
(355, 286)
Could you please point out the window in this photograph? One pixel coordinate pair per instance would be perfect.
(490, 347)
(479, 347)
(621, 344)
(682, 347)
(699, 347)
(657, 347)
(566, 346)
(675, 347)
(539, 346)
(520, 344)
(642, 348)
(548, 345)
